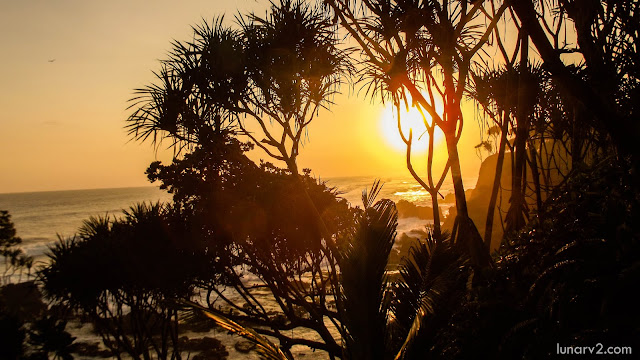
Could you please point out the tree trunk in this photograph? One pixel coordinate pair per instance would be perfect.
(436, 216)
(496, 183)
(465, 230)
(516, 212)
(535, 174)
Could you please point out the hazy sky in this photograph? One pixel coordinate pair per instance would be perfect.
(61, 122)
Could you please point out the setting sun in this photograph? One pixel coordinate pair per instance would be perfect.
(410, 120)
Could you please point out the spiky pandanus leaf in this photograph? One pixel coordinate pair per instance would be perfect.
(195, 92)
(363, 265)
(264, 347)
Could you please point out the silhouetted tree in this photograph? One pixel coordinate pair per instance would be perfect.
(494, 91)
(122, 273)
(413, 47)
(14, 257)
(272, 75)
(294, 67)
(553, 143)
(607, 33)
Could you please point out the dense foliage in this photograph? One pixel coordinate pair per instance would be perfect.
(563, 280)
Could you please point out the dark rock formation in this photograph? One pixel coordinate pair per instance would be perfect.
(408, 209)
(244, 346)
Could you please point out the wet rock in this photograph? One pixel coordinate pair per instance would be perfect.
(407, 209)
(202, 344)
(211, 355)
(90, 349)
(244, 346)
(198, 324)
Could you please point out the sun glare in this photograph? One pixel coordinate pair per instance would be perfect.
(410, 120)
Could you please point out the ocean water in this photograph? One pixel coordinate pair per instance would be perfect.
(40, 217)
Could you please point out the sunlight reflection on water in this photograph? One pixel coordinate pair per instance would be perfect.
(413, 195)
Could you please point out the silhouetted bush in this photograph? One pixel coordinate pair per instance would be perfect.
(122, 272)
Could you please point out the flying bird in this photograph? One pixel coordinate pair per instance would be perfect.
(52, 60)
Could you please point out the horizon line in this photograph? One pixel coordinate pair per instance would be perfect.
(321, 178)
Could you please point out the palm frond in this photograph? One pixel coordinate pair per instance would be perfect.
(363, 264)
(432, 269)
(264, 347)
(369, 198)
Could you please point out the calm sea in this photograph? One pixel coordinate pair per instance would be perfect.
(40, 217)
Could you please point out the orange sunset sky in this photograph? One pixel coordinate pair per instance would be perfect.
(69, 67)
